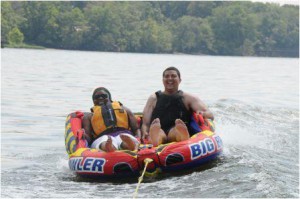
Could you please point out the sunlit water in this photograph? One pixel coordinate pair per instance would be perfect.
(255, 102)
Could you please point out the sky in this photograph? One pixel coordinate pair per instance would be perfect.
(281, 2)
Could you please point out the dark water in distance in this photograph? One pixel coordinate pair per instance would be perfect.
(255, 102)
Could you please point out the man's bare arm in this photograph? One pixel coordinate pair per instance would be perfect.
(147, 113)
(196, 104)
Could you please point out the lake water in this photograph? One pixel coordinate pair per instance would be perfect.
(255, 102)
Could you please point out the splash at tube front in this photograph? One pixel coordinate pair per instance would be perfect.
(177, 156)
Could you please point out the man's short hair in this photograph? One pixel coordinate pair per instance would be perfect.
(172, 68)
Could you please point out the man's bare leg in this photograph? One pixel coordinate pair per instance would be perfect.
(128, 143)
(108, 146)
(156, 134)
(179, 132)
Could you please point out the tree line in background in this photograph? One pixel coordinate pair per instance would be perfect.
(195, 27)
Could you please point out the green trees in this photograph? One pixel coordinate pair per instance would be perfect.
(155, 37)
(72, 26)
(53, 24)
(10, 21)
(279, 32)
(234, 29)
(104, 27)
(197, 27)
(193, 35)
(202, 9)
(41, 26)
(15, 36)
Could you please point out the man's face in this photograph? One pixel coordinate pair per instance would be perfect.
(171, 81)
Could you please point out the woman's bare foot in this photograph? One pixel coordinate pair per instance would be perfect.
(182, 131)
(127, 143)
(109, 147)
(156, 134)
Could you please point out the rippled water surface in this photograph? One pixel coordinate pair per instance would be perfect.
(255, 102)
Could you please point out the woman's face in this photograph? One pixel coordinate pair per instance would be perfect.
(100, 98)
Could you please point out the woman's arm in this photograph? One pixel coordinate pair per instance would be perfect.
(133, 123)
(87, 126)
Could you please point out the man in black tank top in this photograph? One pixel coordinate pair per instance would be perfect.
(167, 114)
(169, 108)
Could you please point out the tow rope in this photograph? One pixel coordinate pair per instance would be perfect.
(146, 161)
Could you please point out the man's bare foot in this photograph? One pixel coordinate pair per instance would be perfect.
(156, 134)
(182, 131)
(109, 147)
(128, 143)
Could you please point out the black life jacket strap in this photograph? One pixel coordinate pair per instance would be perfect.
(109, 115)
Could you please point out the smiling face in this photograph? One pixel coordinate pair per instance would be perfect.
(171, 81)
(100, 98)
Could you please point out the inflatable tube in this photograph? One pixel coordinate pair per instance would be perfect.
(177, 156)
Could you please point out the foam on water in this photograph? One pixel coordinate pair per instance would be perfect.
(63, 165)
(259, 141)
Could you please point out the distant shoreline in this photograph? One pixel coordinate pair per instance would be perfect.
(28, 46)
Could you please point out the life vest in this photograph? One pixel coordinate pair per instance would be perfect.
(168, 108)
(109, 116)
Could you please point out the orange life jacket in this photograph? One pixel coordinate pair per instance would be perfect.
(109, 116)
